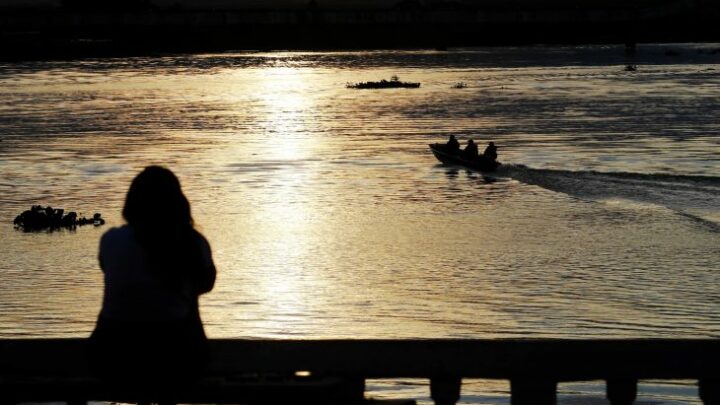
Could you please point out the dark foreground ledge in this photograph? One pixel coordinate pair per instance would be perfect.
(324, 371)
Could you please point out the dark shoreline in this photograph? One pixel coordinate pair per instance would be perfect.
(63, 34)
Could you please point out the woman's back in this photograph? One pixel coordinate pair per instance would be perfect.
(134, 292)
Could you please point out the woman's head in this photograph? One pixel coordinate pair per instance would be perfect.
(155, 200)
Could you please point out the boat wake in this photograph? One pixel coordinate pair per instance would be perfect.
(694, 197)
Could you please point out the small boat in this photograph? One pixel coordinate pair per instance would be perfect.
(449, 157)
(393, 83)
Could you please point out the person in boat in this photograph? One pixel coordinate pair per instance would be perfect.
(471, 150)
(452, 144)
(491, 152)
(149, 333)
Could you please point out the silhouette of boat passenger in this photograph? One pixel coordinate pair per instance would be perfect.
(491, 151)
(453, 144)
(469, 158)
(149, 335)
(471, 150)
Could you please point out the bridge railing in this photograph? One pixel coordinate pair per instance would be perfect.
(333, 371)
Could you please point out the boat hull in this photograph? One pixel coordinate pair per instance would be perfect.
(449, 157)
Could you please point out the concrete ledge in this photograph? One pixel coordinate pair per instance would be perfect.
(266, 371)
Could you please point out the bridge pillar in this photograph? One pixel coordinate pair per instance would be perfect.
(709, 391)
(445, 390)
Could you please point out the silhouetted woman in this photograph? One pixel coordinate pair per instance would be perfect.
(149, 329)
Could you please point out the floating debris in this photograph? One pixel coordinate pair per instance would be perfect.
(39, 218)
(393, 83)
(459, 85)
(630, 68)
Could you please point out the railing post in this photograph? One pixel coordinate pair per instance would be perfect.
(533, 392)
(709, 390)
(353, 390)
(621, 391)
(445, 390)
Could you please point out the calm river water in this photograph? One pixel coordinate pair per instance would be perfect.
(329, 217)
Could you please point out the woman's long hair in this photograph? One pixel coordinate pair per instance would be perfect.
(159, 214)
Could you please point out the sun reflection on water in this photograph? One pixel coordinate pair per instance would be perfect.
(284, 284)
(284, 93)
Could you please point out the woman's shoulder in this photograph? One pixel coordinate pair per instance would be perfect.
(117, 235)
(123, 231)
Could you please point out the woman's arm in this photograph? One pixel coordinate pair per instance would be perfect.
(206, 278)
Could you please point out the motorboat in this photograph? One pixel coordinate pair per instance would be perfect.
(455, 157)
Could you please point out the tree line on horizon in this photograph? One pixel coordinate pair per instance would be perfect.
(701, 6)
